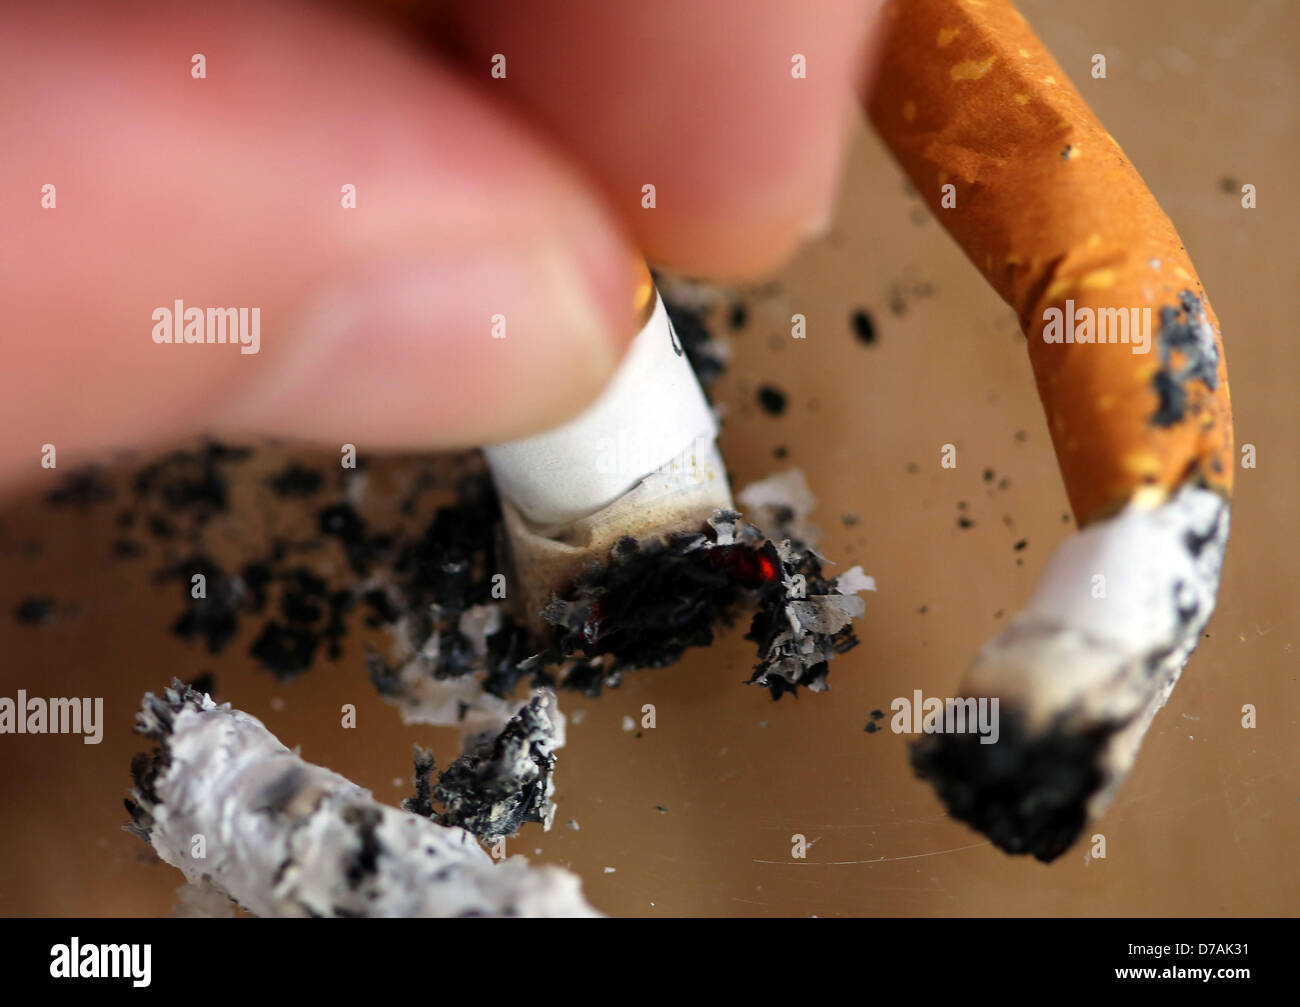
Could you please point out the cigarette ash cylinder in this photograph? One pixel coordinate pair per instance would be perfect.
(641, 461)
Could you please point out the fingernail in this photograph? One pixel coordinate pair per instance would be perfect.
(821, 219)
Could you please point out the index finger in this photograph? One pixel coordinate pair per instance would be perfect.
(735, 111)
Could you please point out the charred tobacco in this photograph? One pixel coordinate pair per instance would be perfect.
(652, 601)
(502, 781)
(1028, 793)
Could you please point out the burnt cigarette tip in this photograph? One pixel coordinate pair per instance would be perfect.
(1027, 793)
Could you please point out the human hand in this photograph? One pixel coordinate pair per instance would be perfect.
(475, 196)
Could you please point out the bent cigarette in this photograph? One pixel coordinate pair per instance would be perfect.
(1042, 199)
(225, 802)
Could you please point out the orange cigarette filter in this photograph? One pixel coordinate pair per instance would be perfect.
(1047, 206)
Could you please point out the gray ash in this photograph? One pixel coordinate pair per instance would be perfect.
(502, 781)
(154, 721)
(421, 802)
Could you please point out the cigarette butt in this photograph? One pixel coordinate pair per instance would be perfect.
(641, 462)
(673, 500)
(652, 414)
(1129, 363)
(615, 575)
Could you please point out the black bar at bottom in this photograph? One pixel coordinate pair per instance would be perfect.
(224, 957)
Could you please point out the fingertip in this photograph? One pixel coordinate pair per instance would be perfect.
(472, 343)
(716, 131)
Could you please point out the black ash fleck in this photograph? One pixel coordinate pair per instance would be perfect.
(1186, 330)
(864, 327)
(297, 481)
(772, 399)
(35, 610)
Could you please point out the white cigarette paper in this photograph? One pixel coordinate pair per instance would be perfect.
(641, 462)
(283, 837)
(1107, 632)
(652, 415)
(1081, 673)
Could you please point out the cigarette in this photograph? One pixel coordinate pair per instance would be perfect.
(626, 545)
(229, 805)
(1042, 199)
(642, 461)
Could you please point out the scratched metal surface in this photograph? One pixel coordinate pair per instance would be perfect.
(697, 815)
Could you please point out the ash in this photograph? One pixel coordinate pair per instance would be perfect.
(291, 567)
(502, 781)
(224, 801)
(456, 650)
(653, 600)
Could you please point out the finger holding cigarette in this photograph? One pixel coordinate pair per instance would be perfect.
(1130, 369)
